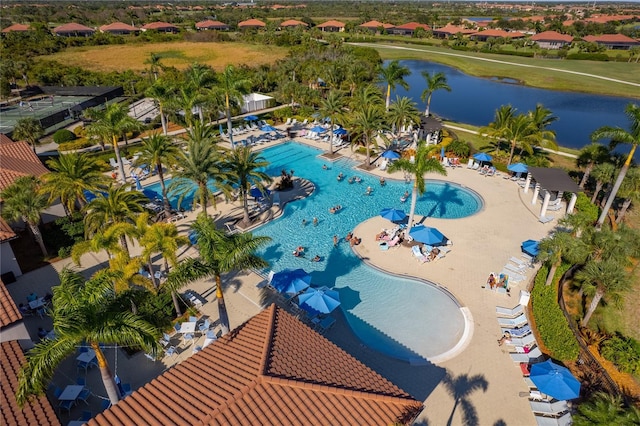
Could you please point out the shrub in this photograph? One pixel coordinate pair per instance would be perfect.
(63, 135)
(76, 144)
(624, 352)
(552, 325)
(588, 56)
(459, 148)
(586, 207)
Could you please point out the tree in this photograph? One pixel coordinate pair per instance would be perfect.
(603, 174)
(220, 254)
(603, 409)
(28, 129)
(590, 156)
(403, 112)
(154, 64)
(84, 312)
(435, 81)
(618, 136)
(333, 107)
(516, 129)
(72, 175)
(366, 121)
(111, 123)
(423, 163)
(542, 118)
(233, 85)
(600, 278)
(245, 170)
(158, 151)
(393, 75)
(630, 191)
(24, 199)
(163, 94)
(558, 246)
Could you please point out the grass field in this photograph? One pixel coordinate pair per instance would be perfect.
(549, 79)
(179, 55)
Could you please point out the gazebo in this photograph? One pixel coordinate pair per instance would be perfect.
(430, 129)
(551, 180)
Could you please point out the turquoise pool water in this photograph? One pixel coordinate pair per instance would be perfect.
(403, 318)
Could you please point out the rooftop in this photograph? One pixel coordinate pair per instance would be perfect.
(18, 160)
(72, 27)
(9, 312)
(332, 23)
(252, 23)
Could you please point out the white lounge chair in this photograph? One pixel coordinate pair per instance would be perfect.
(513, 276)
(517, 332)
(527, 340)
(517, 261)
(564, 420)
(545, 407)
(513, 322)
(510, 312)
(517, 269)
(533, 356)
(415, 250)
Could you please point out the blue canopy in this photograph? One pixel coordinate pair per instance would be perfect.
(340, 131)
(92, 195)
(193, 237)
(427, 235)
(281, 280)
(391, 155)
(268, 128)
(296, 286)
(250, 118)
(136, 179)
(483, 156)
(151, 194)
(394, 215)
(256, 193)
(518, 168)
(555, 380)
(318, 129)
(319, 300)
(530, 247)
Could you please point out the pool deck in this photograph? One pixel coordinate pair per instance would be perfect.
(482, 243)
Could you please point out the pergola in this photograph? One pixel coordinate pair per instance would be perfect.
(551, 180)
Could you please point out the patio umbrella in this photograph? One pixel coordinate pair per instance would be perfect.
(193, 237)
(255, 192)
(530, 247)
(340, 131)
(220, 129)
(318, 129)
(296, 286)
(319, 300)
(268, 128)
(482, 156)
(518, 168)
(555, 380)
(281, 280)
(250, 118)
(151, 194)
(136, 179)
(391, 155)
(394, 215)
(427, 235)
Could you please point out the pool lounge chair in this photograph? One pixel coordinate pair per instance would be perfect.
(546, 219)
(517, 262)
(529, 339)
(509, 312)
(545, 407)
(517, 269)
(517, 332)
(564, 420)
(415, 250)
(533, 356)
(513, 322)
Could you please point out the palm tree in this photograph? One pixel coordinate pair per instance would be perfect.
(559, 246)
(220, 253)
(403, 112)
(590, 156)
(618, 136)
(333, 107)
(603, 174)
(157, 151)
(111, 123)
(28, 129)
(435, 81)
(154, 64)
(366, 121)
(423, 163)
(73, 174)
(630, 191)
(233, 85)
(604, 409)
(542, 118)
(393, 75)
(600, 277)
(24, 199)
(84, 312)
(163, 94)
(460, 388)
(516, 129)
(245, 170)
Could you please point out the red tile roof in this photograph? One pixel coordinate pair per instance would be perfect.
(72, 27)
(272, 370)
(37, 411)
(413, 26)
(6, 234)
(118, 26)
(552, 36)
(252, 23)
(610, 38)
(603, 19)
(375, 25)
(9, 312)
(498, 33)
(18, 160)
(158, 26)
(211, 24)
(332, 23)
(452, 29)
(16, 27)
(293, 23)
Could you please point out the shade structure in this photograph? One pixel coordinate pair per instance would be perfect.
(250, 118)
(518, 168)
(296, 286)
(256, 193)
(318, 129)
(427, 235)
(319, 300)
(391, 155)
(530, 247)
(268, 128)
(151, 194)
(555, 380)
(340, 131)
(483, 156)
(281, 280)
(394, 215)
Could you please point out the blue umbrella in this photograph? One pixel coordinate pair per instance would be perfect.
(268, 128)
(427, 235)
(256, 193)
(250, 118)
(394, 215)
(319, 300)
(530, 247)
(442, 152)
(318, 129)
(151, 194)
(391, 155)
(554, 380)
(220, 129)
(193, 237)
(281, 280)
(518, 168)
(482, 156)
(88, 195)
(136, 179)
(340, 131)
(296, 286)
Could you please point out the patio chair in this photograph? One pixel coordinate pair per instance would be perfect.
(530, 357)
(84, 365)
(187, 337)
(544, 407)
(516, 269)
(171, 351)
(193, 319)
(513, 322)
(517, 262)
(509, 312)
(176, 327)
(546, 219)
(67, 405)
(204, 326)
(517, 332)
(84, 395)
(564, 420)
(529, 339)
(166, 340)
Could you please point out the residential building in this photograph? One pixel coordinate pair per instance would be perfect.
(118, 28)
(486, 34)
(613, 41)
(552, 40)
(255, 24)
(332, 26)
(162, 27)
(211, 25)
(73, 30)
(375, 26)
(409, 28)
(292, 23)
(16, 28)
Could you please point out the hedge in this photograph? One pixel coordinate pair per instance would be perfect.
(551, 323)
(63, 135)
(588, 56)
(76, 144)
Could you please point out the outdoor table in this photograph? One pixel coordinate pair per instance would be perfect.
(188, 327)
(38, 303)
(87, 356)
(71, 393)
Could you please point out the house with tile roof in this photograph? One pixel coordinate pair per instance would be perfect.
(332, 26)
(73, 30)
(255, 24)
(161, 27)
(11, 325)
(18, 159)
(118, 28)
(409, 28)
(293, 23)
(271, 370)
(486, 34)
(451, 30)
(16, 28)
(211, 25)
(552, 40)
(375, 26)
(613, 41)
(9, 267)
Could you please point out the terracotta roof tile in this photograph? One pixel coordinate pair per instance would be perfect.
(552, 36)
(498, 33)
(158, 26)
(9, 312)
(452, 29)
(332, 23)
(72, 27)
(252, 23)
(293, 23)
(211, 24)
(16, 27)
(37, 411)
(118, 26)
(272, 370)
(17, 159)
(376, 24)
(610, 38)
(413, 26)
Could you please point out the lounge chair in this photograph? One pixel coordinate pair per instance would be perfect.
(113, 163)
(394, 242)
(513, 276)
(527, 340)
(517, 269)
(564, 420)
(510, 312)
(517, 262)
(417, 253)
(518, 332)
(533, 356)
(513, 322)
(475, 166)
(546, 219)
(544, 407)
(555, 207)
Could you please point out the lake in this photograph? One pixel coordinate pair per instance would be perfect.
(474, 100)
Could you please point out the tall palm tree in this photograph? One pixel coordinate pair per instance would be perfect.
(600, 278)
(393, 75)
(24, 199)
(111, 123)
(154, 64)
(366, 121)
(333, 107)
(435, 81)
(233, 84)
(542, 118)
(163, 94)
(84, 311)
(517, 129)
(423, 163)
(603, 174)
(590, 156)
(28, 129)
(603, 409)
(246, 170)
(618, 136)
(73, 174)
(403, 112)
(158, 151)
(460, 388)
(630, 191)
(220, 254)
(559, 246)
